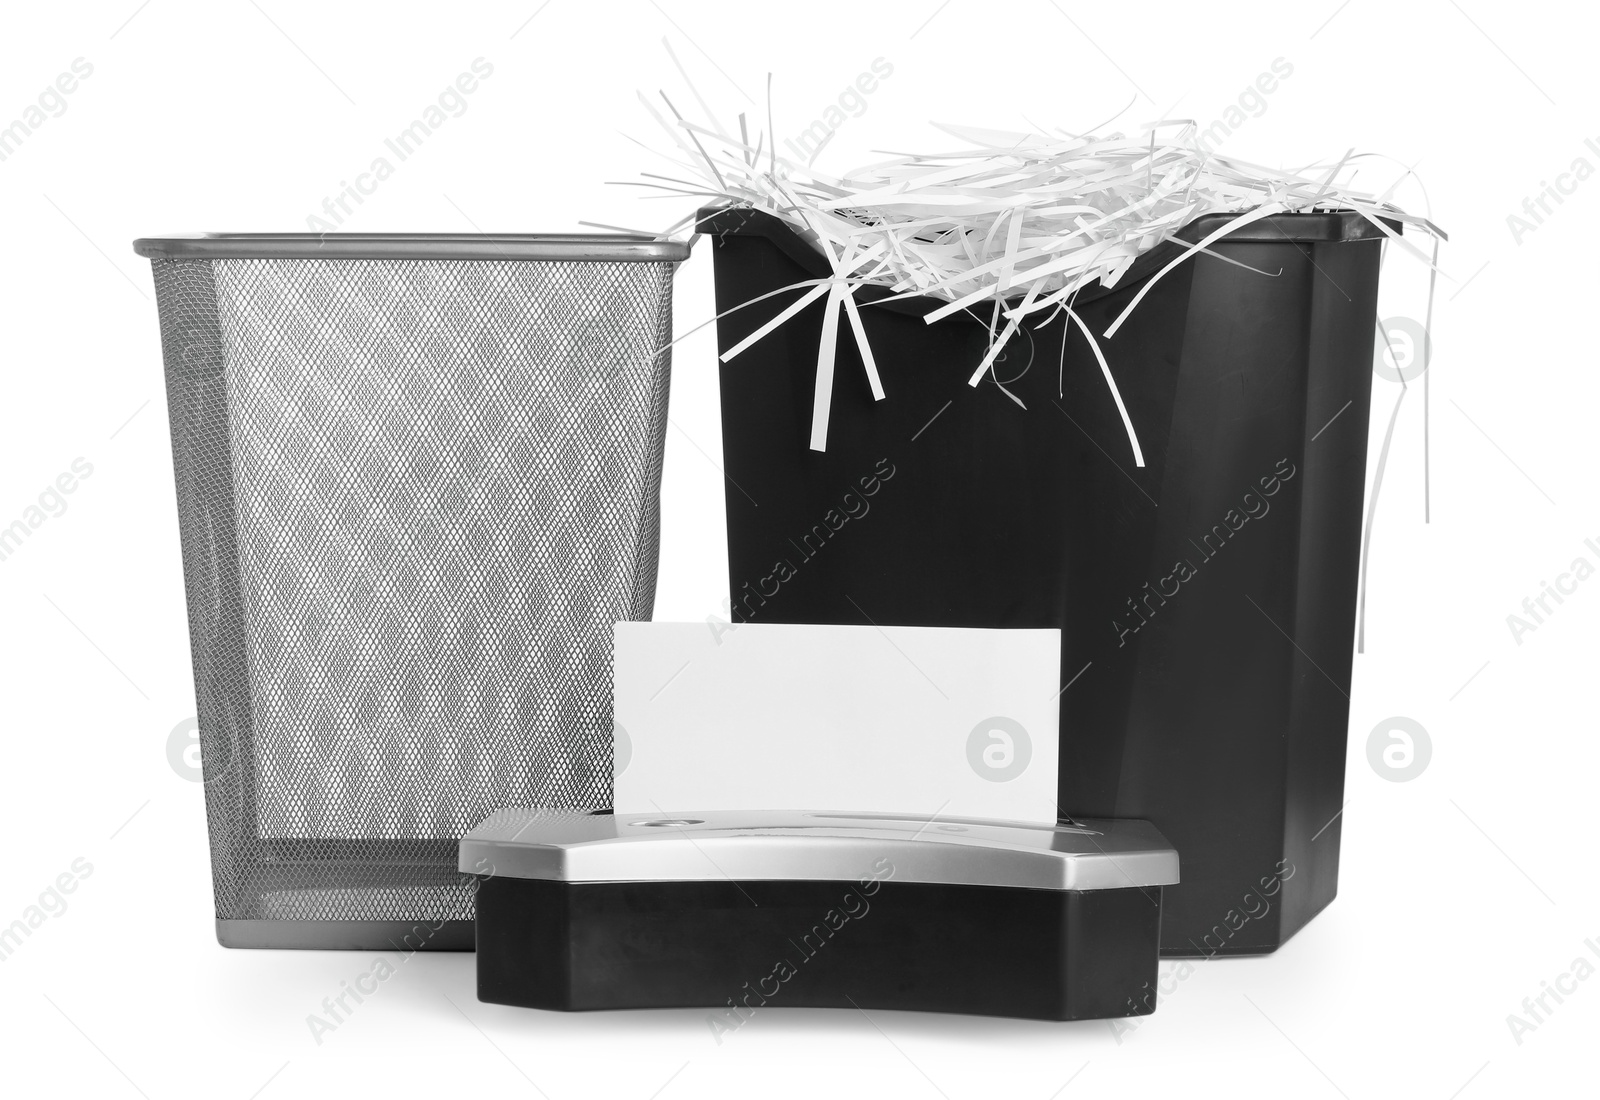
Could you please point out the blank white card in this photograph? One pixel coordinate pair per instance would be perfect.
(921, 721)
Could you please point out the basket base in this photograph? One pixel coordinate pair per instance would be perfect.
(347, 935)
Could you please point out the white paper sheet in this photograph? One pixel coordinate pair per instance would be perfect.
(915, 720)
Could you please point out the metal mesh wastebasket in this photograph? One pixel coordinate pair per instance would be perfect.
(418, 481)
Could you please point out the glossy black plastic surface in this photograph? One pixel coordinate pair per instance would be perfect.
(736, 948)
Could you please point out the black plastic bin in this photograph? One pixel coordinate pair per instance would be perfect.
(1207, 600)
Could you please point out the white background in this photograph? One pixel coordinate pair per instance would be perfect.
(1463, 890)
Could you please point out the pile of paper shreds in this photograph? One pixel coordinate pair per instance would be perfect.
(1011, 228)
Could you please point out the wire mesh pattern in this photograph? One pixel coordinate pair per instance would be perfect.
(414, 496)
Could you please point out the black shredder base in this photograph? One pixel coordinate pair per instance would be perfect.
(736, 911)
(1206, 600)
(741, 946)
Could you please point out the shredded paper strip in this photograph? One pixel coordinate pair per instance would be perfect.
(1016, 224)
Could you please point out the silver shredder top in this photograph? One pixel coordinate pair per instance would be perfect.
(794, 845)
